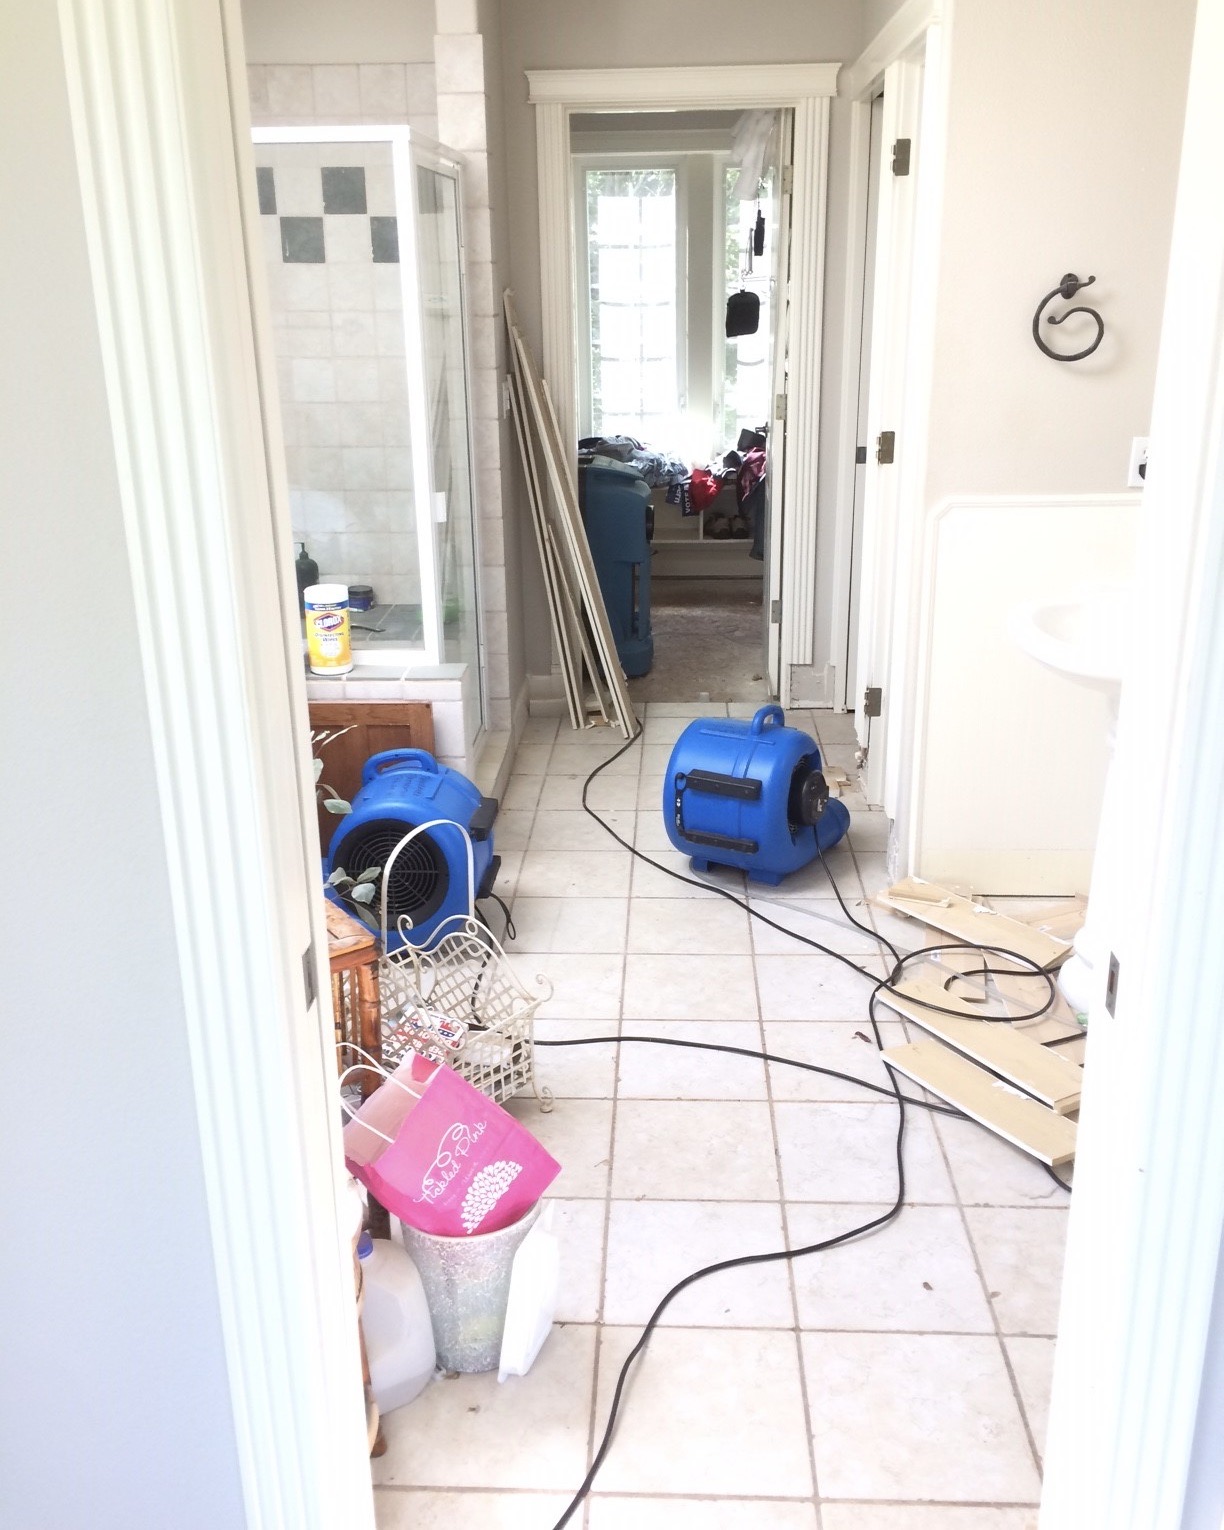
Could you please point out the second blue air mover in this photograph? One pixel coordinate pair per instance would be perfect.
(400, 790)
(750, 794)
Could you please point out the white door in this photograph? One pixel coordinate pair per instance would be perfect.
(890, 316)
(854, 686)
(775, 449)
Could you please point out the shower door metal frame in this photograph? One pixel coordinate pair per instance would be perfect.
(408, 150)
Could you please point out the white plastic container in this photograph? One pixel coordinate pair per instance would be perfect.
(395, 1320)
(326, 608)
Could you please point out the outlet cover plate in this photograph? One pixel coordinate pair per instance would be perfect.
(1137, 467)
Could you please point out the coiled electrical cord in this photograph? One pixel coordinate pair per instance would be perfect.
(880, 985)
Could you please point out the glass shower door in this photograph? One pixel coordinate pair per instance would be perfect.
(444, 391)
(364, 245)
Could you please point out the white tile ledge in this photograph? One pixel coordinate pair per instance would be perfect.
(493, 762)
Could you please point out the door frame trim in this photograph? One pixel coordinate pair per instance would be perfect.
(1138, 1391)
(845, 467)
(902, 351)
(805, 89)
(161, 128)
(913, 32)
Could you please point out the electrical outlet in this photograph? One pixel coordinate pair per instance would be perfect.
(1136, 471)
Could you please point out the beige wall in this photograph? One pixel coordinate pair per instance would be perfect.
(1065, 125)
(555, 34)
(324, 32)
(1064, 135)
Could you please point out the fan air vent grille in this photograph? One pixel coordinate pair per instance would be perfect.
(420, 877)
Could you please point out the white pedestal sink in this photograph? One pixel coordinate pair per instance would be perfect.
(1084, 637)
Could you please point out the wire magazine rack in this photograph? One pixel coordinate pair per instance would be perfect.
(459, 1001)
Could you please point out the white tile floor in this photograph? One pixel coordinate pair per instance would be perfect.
(896, 1383)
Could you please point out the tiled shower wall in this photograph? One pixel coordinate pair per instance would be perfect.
(450, 106)
(330, 234)
(464, 116)
(297, 95)
(338, 317)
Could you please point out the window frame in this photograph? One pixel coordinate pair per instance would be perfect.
(628, 162)
(769, 298)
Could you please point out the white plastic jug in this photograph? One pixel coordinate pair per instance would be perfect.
(395, 1320)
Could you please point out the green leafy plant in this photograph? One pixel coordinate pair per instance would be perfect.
(331, 799)
(359, 892)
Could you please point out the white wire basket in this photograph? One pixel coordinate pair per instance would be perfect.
(459, 1001)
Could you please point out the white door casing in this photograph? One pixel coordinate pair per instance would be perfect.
(902, 346)
(775, 540)
(874, 507)
(850, 576)
(845, 481)
(162, 135)
(1133, 1440)
(890, 305)
(806, 89)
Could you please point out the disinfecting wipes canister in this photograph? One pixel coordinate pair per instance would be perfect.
(327, 629)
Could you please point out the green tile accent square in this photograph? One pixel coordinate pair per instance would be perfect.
(344, 189)
(265, 180)
(302, 240)
(384, 239)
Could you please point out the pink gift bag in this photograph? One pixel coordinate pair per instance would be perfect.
(441, 1155)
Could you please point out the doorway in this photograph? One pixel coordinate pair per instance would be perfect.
(676, 216)
(799, 94)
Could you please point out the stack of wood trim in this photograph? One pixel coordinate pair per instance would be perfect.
(963, 919)
(594, 682)
(1002, 1073)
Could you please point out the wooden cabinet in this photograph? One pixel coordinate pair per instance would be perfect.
(371, 726)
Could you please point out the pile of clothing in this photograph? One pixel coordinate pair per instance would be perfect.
(696, 491)
(655, 467)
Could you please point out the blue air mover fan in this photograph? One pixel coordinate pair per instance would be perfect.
(402, 789)
(751, 795)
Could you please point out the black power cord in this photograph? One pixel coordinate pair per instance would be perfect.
(880, 985)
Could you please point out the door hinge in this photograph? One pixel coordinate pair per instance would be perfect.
(788, 180)
(860, 454)
(901, 157)
(780, 406)
(873, 701)
(308, 974)
(775, 612)
(886, 446)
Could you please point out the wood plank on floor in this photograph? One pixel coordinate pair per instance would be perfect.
(965, 920)
(1053, 1079)
(988, 1100)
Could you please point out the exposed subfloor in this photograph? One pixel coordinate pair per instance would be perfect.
(708, 637)
(898, 1382)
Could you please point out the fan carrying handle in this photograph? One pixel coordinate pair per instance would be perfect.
(769, 714)
(420, 828)
(397, 759)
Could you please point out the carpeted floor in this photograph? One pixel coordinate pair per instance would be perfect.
(708, 637)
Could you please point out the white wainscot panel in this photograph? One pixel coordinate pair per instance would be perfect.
(1010, 757)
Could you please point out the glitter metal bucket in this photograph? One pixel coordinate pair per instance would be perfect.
(467, 1286)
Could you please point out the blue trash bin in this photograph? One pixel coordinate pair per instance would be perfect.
(615, 501)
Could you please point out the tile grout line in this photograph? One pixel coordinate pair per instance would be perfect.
(624, 1495)
(784, 1199)
(593, 1432)
(591, 1425)
(786, 1236)
(994, 1315)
